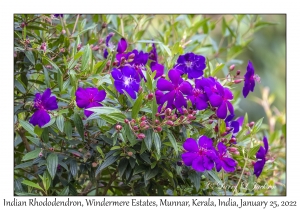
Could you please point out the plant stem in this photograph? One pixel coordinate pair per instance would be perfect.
(112, 178)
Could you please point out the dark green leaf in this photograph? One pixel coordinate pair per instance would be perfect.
(60, 120)
(20, 86)
(28, 127)
(31, 184)
(137, 106)
(173, 141)
(73, 167)
(30, 56)
(31, 155)
(68, 129)
(107, 162)
(52, 162)
(157, 142)
(79, 125)
(148, 139)
(122, 166)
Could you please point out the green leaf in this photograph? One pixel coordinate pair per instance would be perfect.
(31, 155)
(52, 162)
(85, 30)
(46, 75)
(60, 120)
(222, 126)
(65, 191)
(32, 184)
(30, 56)
(24, 165)
(20, 86)
(137, 106)
(28, 127)
(122, 166)
(217, 69)
(38, 130)
(253, 151)
(86, 57)
(173, 141)
(119, 117)
(214, 175)
(257, 125)
(52, 120)
(108, 119)
(157, 142)
(104, 110)
(36, 141)
(195, 178)
(46, 180)
(59, 80)
(51, 62)
(79, 125)
(148, 139)
(68, 129)
(73, 167)
(150, 173)
(107, 162)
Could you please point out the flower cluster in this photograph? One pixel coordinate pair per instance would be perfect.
(202, 155)
(43, 102)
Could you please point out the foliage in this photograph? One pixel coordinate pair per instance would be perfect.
(105, 153)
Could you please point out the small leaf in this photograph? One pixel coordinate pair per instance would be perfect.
(60, 80)
(20, 86)
(217, 69)
(122, 166)
(31, 155)
(46, 75)
(52, 162)
(157, 142)
(73, 167)
(137, 106)
(68, 129)
(173, 141)
(148, 139)
(86, 57)
(31, 184)
(24, 165)
(253, 151)
(30, 56)
(46, 180)
(150, 173)
(107, 162)
(28, 127)
(65, 191)
(79, 125)
(60, 120)
(257, 125)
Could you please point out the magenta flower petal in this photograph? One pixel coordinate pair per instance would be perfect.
(164, 85)
(40, 118)
(258, 167)
(249, 83)
(179, 100)
(158, 68)
(186, 88)
(122, 45)
(51, 103)
(188, 158)
(198, 164)
(205, 142)
(175, 77)
(215, 100)
(92, 104)
(222, 111)
(190, 145)
(81, 98)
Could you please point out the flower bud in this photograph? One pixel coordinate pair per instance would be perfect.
(111, 34)
(191, 117)
(143, 118)
(140, 89)
(40, 154)
(126, 121)
(27, 41)
(79, 47)
(157, 114)
(141, 136)
(237, 81)
(232, 140)
(174, 117)
(239, 168)
(129, 154)
(51, 149)
(135, 128)
(23, 24)
(231, 68)
(194, 112)
(210, 121)
(251, 124)
(224, 134)
(104, 25)
(170, 123)
(63, 31)
(159, 129)
(185, 111)
(179, 163)
(238, 72)
(132, 122)
(94, 164)
(118, 127)
(131, 56)
(236, 153)
(163, 76)
(232, 149)
(62, 50)
(115, 63)
(223, 140)
(150, 96)
(216, 128)
(95, 48)
(168, 112)
(191, 111)
(143, 124)
(100, 41)
(228, 128)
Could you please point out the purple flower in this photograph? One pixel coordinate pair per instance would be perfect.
(126, 79)
(200, 155)
(261, 155)
(58, 15)
(249, 80)
(191, 64)
(122, 45)
(223, 160)
(43, 103)
(88, 98)
(198, 97)
(159, 68)
(234, 124)
(174, 90)
(218, 96)
(108, 44)
(153, 53)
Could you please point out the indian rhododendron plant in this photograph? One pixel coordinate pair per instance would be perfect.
(100, 111)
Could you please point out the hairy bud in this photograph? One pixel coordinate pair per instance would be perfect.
(150, 96)
(170, 123)
(231, 68)
(168, 112)
(141, 136)
(118, 127)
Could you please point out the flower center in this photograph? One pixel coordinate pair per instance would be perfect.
(127, 81)
(39, 104)
(189, 64)
(197, 92)
(202, 151)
